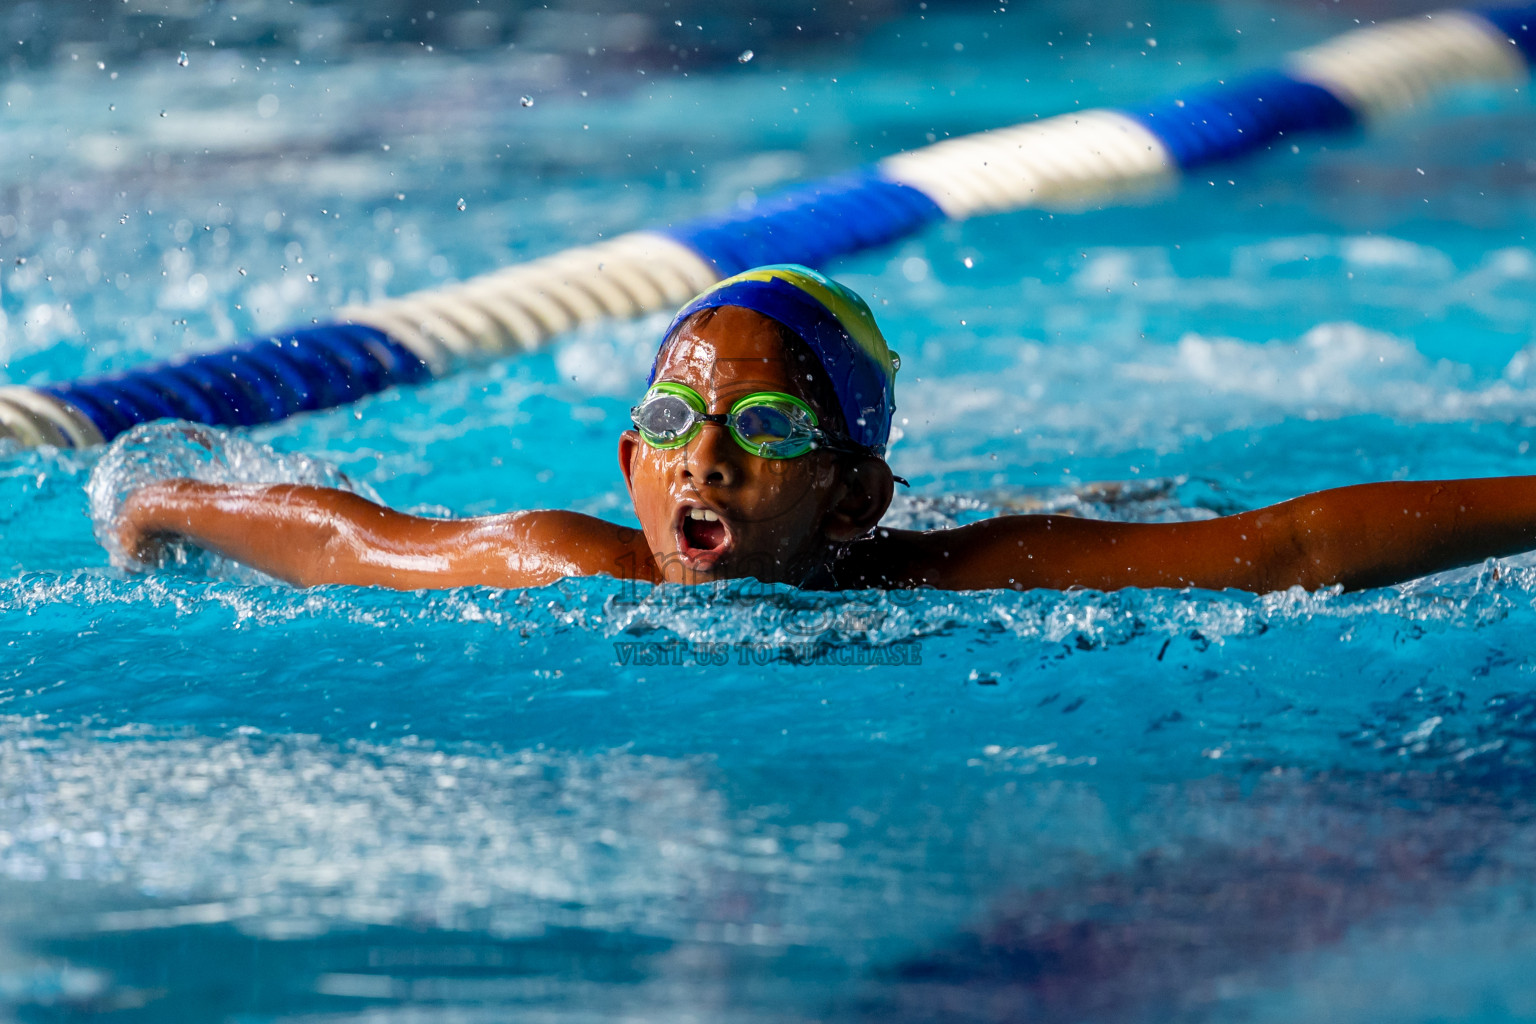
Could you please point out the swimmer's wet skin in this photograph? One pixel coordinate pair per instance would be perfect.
(770, 465)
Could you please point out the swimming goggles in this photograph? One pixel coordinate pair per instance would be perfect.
(769, 424)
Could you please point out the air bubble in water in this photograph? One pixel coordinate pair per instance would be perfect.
(526, 101)
(182, 60)
(746, 55)
(462, 205)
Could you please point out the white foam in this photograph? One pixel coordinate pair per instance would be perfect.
(1379, 251)
(610, 358)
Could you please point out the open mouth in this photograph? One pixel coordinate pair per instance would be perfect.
(702, 534)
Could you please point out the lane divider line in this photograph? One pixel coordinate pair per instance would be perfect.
(1069, 161)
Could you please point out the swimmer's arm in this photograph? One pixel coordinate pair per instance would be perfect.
(310, 536)
(1364, 536)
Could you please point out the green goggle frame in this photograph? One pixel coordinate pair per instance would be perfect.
(768, 424)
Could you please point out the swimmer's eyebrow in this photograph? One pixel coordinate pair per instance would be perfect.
(726, 394)
(736, 387)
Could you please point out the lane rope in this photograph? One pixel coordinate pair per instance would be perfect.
(1069, 161)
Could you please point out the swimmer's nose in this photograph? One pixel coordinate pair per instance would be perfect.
(711, 457)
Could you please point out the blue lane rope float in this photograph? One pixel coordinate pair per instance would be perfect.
(1072, 160)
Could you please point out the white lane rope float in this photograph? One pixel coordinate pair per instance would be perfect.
(1071, 160)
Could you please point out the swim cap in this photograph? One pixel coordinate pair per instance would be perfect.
(834, 322)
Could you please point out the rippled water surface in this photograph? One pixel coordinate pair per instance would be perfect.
(224, 799)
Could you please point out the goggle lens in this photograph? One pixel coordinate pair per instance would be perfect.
(666, 421)
(763, 424)
(773, 431)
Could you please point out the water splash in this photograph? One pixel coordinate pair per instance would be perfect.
(603, 608)
(166, 451)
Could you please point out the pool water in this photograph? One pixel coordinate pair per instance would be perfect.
(225, 799)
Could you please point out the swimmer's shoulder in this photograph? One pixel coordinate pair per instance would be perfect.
(1013, 552)
(885, 560)
(891, 559)
(555, 543)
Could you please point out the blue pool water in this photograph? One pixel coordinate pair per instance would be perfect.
(222, 799)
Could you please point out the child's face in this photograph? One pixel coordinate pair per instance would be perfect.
(773, 514)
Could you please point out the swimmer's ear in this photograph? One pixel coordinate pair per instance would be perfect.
(629, 447)
(867, 487)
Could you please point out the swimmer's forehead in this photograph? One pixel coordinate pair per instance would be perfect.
(736, 351)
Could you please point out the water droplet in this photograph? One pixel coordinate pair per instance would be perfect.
(242, 271)
(101, 65)
(162, 113)
(182, 60)
(111, 106)
(969, 263)
(462, 205)
(745, 56)
(312, 278)
(400, 195)
(526, 101)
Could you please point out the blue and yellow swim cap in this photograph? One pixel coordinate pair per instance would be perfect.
(838, 327)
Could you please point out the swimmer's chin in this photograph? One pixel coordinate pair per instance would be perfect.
(705, 566)
(720, 568)
(677, 567)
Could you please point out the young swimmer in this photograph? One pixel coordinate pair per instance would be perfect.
(758, 451)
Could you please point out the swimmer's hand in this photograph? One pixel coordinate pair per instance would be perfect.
(140, 531)
(1370, 535)
(310, 536)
